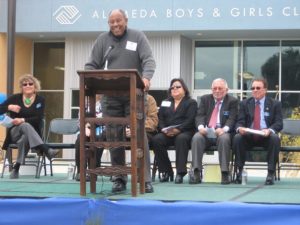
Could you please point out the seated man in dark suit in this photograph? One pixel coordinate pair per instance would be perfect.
(215, 121)
(260, 113)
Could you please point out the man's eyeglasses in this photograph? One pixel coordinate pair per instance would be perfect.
(27, 84)
(176, 87)
(256, 88)
(218, 89)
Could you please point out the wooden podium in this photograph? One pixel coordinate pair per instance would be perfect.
(112, 83)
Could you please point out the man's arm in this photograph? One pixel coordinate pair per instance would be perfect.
(96, 57)
(233, 113)
(200, 116)
(277, 125)
(151, 121)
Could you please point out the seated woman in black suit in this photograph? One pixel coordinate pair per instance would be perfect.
(178, 110)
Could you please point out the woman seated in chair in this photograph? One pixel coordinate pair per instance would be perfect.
(177, 126)
(27, 111)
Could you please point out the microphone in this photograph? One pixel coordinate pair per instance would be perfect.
(105, 57)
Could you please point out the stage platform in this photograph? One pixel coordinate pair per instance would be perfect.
(286, 191)
(56, 200)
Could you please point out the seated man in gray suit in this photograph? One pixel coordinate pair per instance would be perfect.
(215, 121)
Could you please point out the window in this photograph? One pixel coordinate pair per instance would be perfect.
(261, 59)
(49, 61)
(276, 61)
(214, 59)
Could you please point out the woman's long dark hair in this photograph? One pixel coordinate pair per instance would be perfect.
(185, 88)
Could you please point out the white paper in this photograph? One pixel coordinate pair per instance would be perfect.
(6, 121)
(169, 128)
(211, 132)
(258, 132)
(166, 104)
(131, 45)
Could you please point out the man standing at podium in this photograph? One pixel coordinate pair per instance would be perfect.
(122, 48)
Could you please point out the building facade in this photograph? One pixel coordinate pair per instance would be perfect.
(196, 40)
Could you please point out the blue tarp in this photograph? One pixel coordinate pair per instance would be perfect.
(65, 211)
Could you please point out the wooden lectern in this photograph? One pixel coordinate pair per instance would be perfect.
(112, 83)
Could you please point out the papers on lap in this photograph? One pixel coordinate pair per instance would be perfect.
(6, 121)
(170, 127)
(258, 132)
(211, 132)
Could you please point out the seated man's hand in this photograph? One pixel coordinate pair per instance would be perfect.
(203, 131)
(172, 132)
(219, 131)
(87, 130)
(267, 132)
(128, 133)
(242, 130)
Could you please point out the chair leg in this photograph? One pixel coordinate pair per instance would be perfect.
(41, 165)
(37, 174)
(278, 169)
(3, 164)
(234, 174)
(233, 168)
(7, 158)
(154, 169)
(74, 171)
(44, 165)
(51, 169)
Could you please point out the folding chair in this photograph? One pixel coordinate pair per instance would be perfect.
(8, 161)
(59, 127)
(291, 128)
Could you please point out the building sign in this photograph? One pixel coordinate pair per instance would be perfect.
(168, 15)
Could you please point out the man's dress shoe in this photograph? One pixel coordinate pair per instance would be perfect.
(118, 185)
(148, 187)
(225, 178)
(238, 179)
(194, 177)
(87, 177)
(270, 179)
(166, 176)
(178, 179)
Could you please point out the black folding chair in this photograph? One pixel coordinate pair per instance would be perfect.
(59, 127)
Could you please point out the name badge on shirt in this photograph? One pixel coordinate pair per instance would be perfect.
(39, 105)
(266, 114)
(131, 45)
(165, 104)
(226, 113)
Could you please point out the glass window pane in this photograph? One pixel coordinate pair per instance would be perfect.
(290, 69)
(53, 105)
(214, 59)
(74, 113)
(75, 98)
(290, 105)
(49, 61)
(261, 59)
